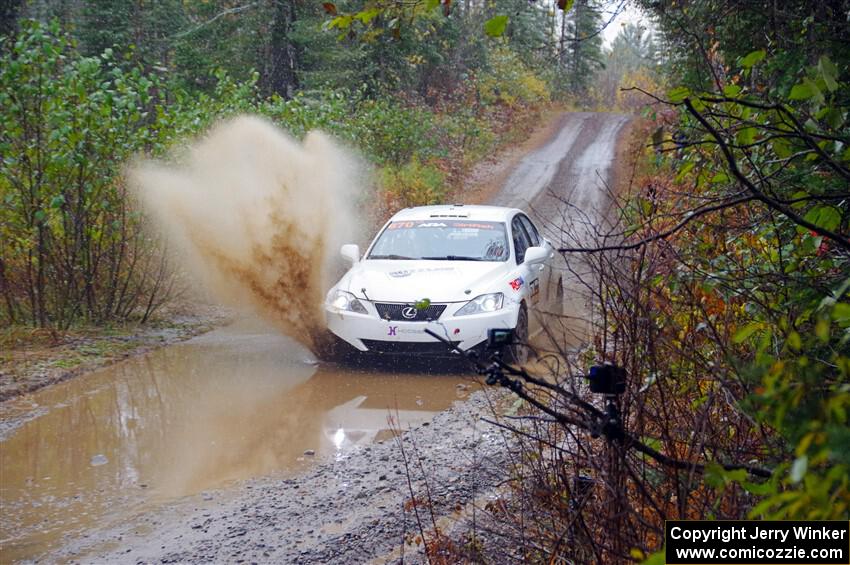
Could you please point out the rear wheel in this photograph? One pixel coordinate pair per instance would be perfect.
(517, 353)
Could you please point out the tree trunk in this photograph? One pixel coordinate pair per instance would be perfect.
(41, 260)
(563, 39)
(577, 45)
(6, 289)
(282, 62)
(9, 11)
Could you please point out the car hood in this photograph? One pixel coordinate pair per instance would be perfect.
(409, 281)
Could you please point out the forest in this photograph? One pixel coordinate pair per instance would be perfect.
(87, 85)
(721, 287)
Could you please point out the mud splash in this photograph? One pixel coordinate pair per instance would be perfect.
(258, 218)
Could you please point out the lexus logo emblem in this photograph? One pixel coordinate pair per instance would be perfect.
(409, 312)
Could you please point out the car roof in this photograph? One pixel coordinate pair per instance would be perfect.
(460, 211)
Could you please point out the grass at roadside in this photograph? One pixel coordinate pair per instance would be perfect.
(33, 358)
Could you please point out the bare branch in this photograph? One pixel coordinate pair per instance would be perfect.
(228, 12)
(663, 235)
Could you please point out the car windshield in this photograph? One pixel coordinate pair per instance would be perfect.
(442, 240)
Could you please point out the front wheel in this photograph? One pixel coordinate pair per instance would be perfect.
(517, 353)
(330, 348)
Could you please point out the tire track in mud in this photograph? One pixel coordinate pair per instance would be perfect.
(568, 179)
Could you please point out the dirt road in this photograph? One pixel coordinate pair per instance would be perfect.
(570, 176)
(348, 507)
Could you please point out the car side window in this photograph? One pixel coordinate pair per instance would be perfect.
(521, 240)
(530, 229)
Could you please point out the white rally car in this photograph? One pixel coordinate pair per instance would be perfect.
(457, 270)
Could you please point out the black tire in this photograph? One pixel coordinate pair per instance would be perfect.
(517, 354)
(330, 348)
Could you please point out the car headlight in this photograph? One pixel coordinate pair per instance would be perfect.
(343, 300)
(482, 304)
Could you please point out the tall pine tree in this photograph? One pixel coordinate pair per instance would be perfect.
(582, 55)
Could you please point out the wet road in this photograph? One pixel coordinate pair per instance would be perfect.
(242, 401)
(567, 187)
(568, 180)
(236, 403)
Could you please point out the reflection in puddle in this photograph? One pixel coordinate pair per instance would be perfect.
(232, 404)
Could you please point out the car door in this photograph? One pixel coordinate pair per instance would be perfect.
(529, 273)
(545, 270)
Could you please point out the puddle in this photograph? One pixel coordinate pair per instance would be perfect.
(236, 403)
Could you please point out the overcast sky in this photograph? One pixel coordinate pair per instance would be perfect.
(631, 14)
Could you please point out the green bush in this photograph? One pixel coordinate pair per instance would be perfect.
(394, 133)
(70, 246)
(414, 184)
(329, 111)
(69, 242)
(509, 81)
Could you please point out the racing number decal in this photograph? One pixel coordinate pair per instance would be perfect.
(535, 290)
(401, 225)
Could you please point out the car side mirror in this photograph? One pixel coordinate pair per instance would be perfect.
(351, 251)
(535, 255)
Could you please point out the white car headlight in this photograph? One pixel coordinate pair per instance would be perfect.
(343, 300)
(482, 304)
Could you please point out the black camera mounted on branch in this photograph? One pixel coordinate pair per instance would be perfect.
(607, 379)
(499, 338)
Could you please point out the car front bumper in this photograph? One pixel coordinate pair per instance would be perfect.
(368, 332)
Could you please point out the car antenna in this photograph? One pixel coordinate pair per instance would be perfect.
(363, 290)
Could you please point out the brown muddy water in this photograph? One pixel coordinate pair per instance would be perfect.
(239, 402)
